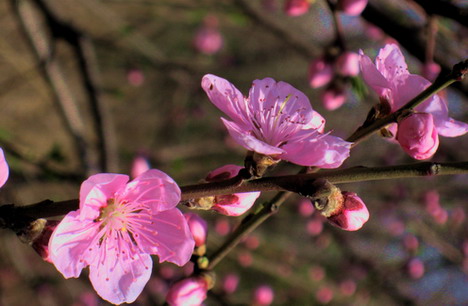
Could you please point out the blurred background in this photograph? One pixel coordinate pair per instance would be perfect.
(87, 86)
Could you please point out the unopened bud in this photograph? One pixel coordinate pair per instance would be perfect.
(263, 295)
(38, 234)
(198, 227)
(352, 214)
(296, 7)
(189, 291)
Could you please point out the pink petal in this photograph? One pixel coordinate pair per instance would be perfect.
(167, 235)
(153, 189)
(244, 202)
(317, 122)
(372, 76)
(409, 86)
(245, 139)
(4, 170)
(451, 128)
(223, 173)
(391, 62)
(325, 151)
(96, 190)
(121, 279)
(70, 243)
(225, 96)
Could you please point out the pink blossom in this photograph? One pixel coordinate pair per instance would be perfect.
(263, 295)
(348, 287)
(277, 120)
(320, 72)
(430, 71)
(415, 268)
(316, 273)
(306, 208)
(4, 170)
(115, 230)
(410, 242)
(231, 204)
(296, 7)
(135, 77)
(314, 226)
(352, 215)
(188, 292)
(222, 227)
(198, 228)
(140, 164)
(332, 99)
(347, 64)
(390, 79)
(352, 7)
(230, 283)
(417, 136)
(208, 39)
(324, 295)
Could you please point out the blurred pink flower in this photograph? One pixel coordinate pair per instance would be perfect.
(232, 204)
(222, 227)
(348, 287)
(140, 164)
(347, 64)
(430, 71)
(415, 268)
(208, 39)
(390, 79)
(245, 259)
(417, 135)
(4, 170)
(277, 120)
(198, 227)
(316, 273)
(332, 98)
(352, 215)
(135, 77)
(117, 227)
(410, 242)
(320, 72)
(230, 283)
(187, 292)
(324, 295)
(352, 7)
(314, 226)
(305, 207)
(263, 295)
(296, 7)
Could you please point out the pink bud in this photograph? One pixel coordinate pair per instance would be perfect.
(347, 64)
(430, 71)
(417, 135)
(353, 214)
(296, 7)
(316, 273)
(314, 226)
(410, 242)
(232, 204)
(458, 216)
(208, 39)
(352, 7)
(245, 259)
(252, 242)
(348, 287)
(332, 98)
(187, 292)
(198, 228)
(324, 295)
(139, 165)
(415, 268)
(305, 207)
(135, 77)
(441, 216)
(41, 243)
(320, 73)
(230, 283)
(222, 227)
(263, 295)
(432, 201)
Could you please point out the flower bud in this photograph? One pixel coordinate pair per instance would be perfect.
(352, 7)
(139, 165)
(418, 136)
(352, 215)
(232, 204)
(208, 39)
(324, 295)
(347, 64)
(230, 283)
(430, 71)
(135, 77)
(410, 242)
(198, 227)
(41, 242)
(415, 268)
(332, 98)
(187, 292)
(320, 73)
(263, 295)
(296, 7)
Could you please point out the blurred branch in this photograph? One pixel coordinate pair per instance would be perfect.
(446, 8)
(285, 33)
(40, 39)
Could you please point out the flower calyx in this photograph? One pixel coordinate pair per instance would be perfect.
(257, 164)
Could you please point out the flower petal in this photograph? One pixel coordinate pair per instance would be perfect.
(244, 201)
(225, 96)
(4, 170)
(154, 189)
(451, 127)
(124, 282)
(96, 190)
(409, 86)
(248, 141)
(372, 76)
(166, 234)
(391, 62)
(70, 243)
(325, 151)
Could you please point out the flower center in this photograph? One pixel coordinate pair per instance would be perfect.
(113, 215)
